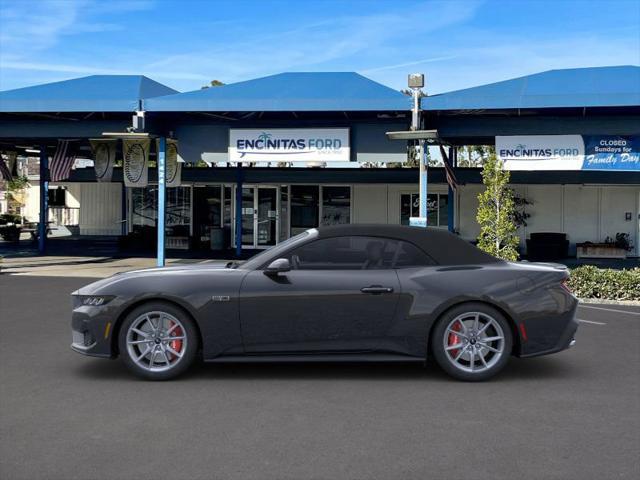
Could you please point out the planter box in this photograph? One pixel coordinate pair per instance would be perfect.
(599, 250)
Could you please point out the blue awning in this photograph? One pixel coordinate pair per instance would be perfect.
(288, 92)
(96, 93)
(570, 88)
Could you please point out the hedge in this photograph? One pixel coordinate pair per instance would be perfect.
(588, 281)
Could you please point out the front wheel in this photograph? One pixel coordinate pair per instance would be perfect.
(158, 341)
(472, 342)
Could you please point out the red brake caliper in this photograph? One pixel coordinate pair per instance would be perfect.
(454, 339)
(175, 344)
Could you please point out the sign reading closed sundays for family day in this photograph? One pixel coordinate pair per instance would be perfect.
(289, 145)
(569, 152)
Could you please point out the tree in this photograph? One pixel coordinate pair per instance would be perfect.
(496, 212)
(213, 83)
(474, 155)
(15, 195)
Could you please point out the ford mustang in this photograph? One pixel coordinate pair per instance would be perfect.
(343, 293)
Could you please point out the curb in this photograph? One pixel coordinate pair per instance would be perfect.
(604, 301)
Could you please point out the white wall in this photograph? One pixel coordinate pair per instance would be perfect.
(583, 212)
(370, 204)
(467, 206)
(581, 216)
(615, 202)
(100, 208)
(31, 209)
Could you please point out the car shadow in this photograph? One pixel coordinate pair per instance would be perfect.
(518, 370)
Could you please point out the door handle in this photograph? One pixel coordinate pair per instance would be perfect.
(376, 289)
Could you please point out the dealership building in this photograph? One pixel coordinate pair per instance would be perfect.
(252, 163)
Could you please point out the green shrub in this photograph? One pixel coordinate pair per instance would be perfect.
(588, 281)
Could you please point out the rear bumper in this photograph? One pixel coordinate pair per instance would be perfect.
(566, 340)
(552, 333)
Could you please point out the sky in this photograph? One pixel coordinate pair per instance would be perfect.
(185, 44)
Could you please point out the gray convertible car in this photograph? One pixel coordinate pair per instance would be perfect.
(344, 293)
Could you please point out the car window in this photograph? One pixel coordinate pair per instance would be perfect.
(408, 255)
(345, 253)
(273, 252)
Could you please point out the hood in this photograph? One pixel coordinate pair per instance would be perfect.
(94, 287)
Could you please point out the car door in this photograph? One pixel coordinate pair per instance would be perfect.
(340, 296)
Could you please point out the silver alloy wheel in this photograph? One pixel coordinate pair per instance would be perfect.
(473, 342)
(156, 341)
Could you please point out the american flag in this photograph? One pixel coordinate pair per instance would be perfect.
(448, 169)
(5, 172)
(62, 161)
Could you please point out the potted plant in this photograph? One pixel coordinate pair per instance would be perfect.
(617, 247)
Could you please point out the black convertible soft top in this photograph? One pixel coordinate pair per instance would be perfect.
(444, 247)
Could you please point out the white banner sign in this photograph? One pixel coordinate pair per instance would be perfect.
(104, 157)
(136, 162)
(173, 165)
(289, 145)
(541, 152)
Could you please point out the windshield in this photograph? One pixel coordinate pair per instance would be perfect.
(274, 252)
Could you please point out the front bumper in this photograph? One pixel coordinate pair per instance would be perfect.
(91, 331)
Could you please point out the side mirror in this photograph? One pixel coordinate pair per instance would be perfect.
(278, 266)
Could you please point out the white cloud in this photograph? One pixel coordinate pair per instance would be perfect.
(30, 27)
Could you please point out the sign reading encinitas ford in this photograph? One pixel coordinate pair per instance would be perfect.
(541, 152)
(289, 145)
(569, 152)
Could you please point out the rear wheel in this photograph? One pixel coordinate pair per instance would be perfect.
(158, 341)
(472, 342)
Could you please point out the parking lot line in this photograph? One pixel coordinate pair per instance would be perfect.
(591, 321)
(611, 310)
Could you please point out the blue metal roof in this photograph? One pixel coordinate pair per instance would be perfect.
(96, 93)
(288, 92)
(576, 87)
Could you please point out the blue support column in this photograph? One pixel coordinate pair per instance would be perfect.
(450, 197)
(124, 230)
(44, 200)
(423, 180)
(239, 209)
(162, 190)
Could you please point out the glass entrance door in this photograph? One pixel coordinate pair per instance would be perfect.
(248, 214)
(267, 214)
(259, 216)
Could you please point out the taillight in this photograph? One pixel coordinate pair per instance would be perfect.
(565, 284)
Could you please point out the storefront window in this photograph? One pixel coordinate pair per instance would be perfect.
(207, 214)
(432, 209)
(304, 207)
(437, 212)
(179, 208)
(336, 205)
(228, 194)
(443, 211)
(284, 213)
(144, 208)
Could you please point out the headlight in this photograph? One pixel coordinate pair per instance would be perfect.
(93, 300)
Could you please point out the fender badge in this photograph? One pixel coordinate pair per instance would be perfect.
(220, 298)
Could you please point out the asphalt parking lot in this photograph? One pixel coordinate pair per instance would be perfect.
(63, 416)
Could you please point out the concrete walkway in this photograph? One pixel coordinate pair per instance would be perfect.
(96, 267)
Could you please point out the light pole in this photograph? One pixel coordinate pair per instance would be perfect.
(416, 83)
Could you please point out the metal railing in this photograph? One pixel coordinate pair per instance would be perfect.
(64, 215)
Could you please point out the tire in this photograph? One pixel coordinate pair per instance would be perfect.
(167, 331)
(488, 342)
